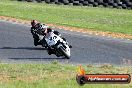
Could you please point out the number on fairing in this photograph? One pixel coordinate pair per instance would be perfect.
(53, 38)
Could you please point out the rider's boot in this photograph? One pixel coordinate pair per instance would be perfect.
(70, 46)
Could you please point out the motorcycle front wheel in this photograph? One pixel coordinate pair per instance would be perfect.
(64, 52)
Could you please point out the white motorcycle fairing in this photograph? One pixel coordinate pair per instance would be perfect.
(52, 39)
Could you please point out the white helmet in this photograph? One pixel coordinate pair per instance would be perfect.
(45, 27)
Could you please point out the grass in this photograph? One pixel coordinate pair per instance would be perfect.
(53, 75)
(99, 19)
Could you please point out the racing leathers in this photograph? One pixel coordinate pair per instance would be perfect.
(40, 29)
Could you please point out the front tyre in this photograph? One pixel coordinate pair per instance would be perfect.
(64, 53)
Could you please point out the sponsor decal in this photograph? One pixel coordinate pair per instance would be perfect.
(83, 78)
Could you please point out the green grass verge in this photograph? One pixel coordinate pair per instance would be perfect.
(54, 75)
(100, 19)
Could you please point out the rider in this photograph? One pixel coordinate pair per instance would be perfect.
(35, 36)
(40, 29)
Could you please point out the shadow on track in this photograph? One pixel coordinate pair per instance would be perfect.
(30, 58)
(35, 58)
(26, 48)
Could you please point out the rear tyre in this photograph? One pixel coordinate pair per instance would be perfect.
(36, 42)
(36, 39)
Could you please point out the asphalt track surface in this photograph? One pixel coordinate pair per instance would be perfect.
(16, 46)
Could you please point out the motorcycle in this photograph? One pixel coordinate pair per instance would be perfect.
(53, 42)
(57, 45)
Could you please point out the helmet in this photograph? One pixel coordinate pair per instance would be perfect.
(33, 23)
(49, 30)
(38, 25)
(41, 26)
(45, 27)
